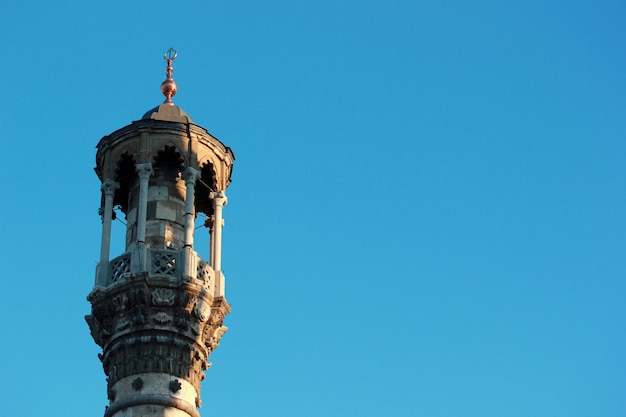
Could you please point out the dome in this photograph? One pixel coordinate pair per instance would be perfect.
(168, 112)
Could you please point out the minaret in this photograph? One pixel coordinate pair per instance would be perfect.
(158, 308)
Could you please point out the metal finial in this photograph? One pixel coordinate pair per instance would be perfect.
(170, 55)
(168, 87)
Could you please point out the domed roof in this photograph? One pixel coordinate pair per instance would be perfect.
(168, 112)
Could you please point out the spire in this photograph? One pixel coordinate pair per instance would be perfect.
(168, 87)
(169, 111)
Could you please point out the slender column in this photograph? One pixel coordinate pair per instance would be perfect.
(108, 188)
(144, 171)
(219, 201)
(190, 176)
(210, 222)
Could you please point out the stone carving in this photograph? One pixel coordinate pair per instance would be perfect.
(181, 319)
(202, 310)
(122, 323)
(175, 385)
(120, 302)
(137, 383)
(219, 332)
(163, 297)
(216, 318)
(108, 187)
(204, 273)
(195, 327)
(214, 340)
(144, 170)
(185, 322)
(138, 294)
(106, 328)
(138, 301)
(162, 318)
(191, 175)
(140, 314)
(99, 303)
(94, 328)
(191, 302)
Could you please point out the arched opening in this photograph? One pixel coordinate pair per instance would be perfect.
(206, 184)
(126, 176)
(167, 166)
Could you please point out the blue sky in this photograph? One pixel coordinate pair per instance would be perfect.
(427, 210)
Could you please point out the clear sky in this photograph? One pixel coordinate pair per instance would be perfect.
(427, 216)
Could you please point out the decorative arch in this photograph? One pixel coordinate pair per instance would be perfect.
(170, 148)
(168, 162)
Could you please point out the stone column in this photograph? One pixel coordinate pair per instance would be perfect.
(190, 176)
(210, 222)
(108, 188)
(144, 171)
(219, 200)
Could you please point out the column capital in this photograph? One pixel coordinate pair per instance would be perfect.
(109, 186)
(219, 198)
(144, 170)
(191, 175)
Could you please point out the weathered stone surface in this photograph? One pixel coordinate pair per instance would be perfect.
(165, 210)
(148, 325)
(158, 193)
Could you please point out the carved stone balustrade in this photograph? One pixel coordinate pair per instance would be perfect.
(161, 263)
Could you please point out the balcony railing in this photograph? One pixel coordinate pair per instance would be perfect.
(120, 266)
(166, 263)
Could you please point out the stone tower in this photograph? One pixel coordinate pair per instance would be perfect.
(158, 308)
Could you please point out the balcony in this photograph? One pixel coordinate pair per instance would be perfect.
(177, 265)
